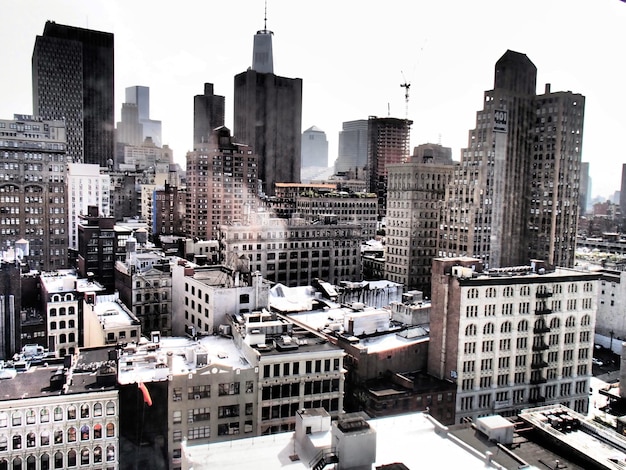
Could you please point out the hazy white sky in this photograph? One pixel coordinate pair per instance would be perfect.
(352, 55)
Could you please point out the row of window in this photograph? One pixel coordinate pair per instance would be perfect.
(71, 435)
(60, 460)
(29, 416)
(293, 368)
(509, 291)
(522, 326)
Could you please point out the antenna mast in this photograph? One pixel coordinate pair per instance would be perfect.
(406, 85)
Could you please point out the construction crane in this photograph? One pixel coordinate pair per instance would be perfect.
(406, 85)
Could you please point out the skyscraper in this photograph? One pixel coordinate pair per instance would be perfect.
(515, 196)
(387, 143)
(314, 148)
(208, 115)
(268, 116)
(352, 151)
(140, 96)
(73, 80)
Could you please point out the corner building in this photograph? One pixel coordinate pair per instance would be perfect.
(513, 337)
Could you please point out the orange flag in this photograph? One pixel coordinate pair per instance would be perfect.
(147, 399)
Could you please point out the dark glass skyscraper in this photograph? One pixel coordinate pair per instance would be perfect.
(73, 75)
(268, 116)
(208, 115)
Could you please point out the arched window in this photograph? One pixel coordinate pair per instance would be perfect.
(44, 438)
(472, 293)
(522, 325)
(4, 464)
(45, 461)
(4, 419)
(71, 324)
(30, 439)
(571, 321)
(71, 338)
(110, 410)
(84, 410)
(44, 415)
(58, 436)
(71, 458)
(84, 433)
(31, 462)
(30, 416)
(97, 409)
(488, 329)
(540, 324)
(97, 431)
(17, 442)
(62, 311)
(97, 454)
(110, 453)
(53, 325)
(71, 434)
(505, 327)
(470, 330)
(84, 456)
(63, 338)
(53, 312)
(3, 443)
(491, 292)
(58, 460)
(524, 290)
(16, 418)
(585, 320)
(555, 323)
(110, 430)
(62, 325)
(71, 310)
(508, 291)
(17, 463)
(71, 412)
(58, 413)
(572, 288)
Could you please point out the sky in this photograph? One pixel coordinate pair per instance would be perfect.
(352, 55)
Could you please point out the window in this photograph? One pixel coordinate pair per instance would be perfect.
(84, 433)
(470, 330)
(71, 434)
(71, 412)
(110, 409)
(97, 409)
(110, 430)
(97, 431)
(58, 413)
(44, 415)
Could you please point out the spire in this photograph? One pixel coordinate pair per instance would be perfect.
(262, 59)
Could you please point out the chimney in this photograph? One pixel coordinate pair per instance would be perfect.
(547, 88)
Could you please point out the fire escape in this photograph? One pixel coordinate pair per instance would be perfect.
(540, 345)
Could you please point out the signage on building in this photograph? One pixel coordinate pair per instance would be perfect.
(500, 121)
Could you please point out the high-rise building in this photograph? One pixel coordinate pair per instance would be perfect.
(516, 194)
(33, 198)
(585, 188)
(221, 184)
(314, 148)
(73, 80)
(140, 96)
(208, 114)
(415, 190)
(352, 151)
(512, 337)
(388, 142)
(268, 116)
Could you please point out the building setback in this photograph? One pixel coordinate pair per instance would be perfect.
(268, 116)
(516, 194)
(513, 337)
(73, 74)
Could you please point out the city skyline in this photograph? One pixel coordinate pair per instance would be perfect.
(352, 58)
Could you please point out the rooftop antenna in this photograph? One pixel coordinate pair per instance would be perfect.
(265, 18)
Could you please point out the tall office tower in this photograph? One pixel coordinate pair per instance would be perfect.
(140, 96)
(33, 199)
(515, 196)
(388, 142)
(268, 116)
(352, 151)
(585, 188)
(221, 185)
(86, 186)
(414, 192)
(314, 148)
(129, 129)
(73, 80)
(512, 337)
(208, 115)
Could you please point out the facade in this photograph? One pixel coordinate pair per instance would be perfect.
(610, 321)
(314, 148)
(73, 73)
(516, 194)
(388, 141)
(208, 115)
(33, 196)
(294, 252)
(415, 190)
(352, 151)
(124, 195)
(49, 421)
(221, 185)
(129, 130)
(169, 214)
(107, 321)
(268, 116)
(511, 338)
(585, 189)
(86, 186)
(146, 156)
